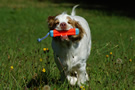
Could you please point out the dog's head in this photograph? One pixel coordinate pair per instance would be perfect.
(65, 22)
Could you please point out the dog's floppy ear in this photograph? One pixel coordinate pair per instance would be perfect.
(51, 22)
(78, 37)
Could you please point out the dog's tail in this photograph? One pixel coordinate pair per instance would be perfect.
(73, 10)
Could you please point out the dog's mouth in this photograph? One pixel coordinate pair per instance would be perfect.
(65, 37)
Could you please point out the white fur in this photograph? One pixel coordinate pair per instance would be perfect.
(73, 59)
(63, 18)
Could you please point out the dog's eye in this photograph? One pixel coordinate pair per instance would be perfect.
(69, 22)
(56, 23)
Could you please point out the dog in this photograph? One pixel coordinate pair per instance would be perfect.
(71, 52)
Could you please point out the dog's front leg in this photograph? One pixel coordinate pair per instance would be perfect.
(62, 75)
(61, 68)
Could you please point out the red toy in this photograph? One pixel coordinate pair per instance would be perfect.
(55, 33)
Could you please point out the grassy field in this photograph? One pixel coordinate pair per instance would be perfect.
(23, 63)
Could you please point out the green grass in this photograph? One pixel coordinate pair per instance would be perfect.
(21, 26)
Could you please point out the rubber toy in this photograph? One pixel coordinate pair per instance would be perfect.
(56, 33)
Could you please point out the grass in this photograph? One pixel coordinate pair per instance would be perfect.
(21, 26)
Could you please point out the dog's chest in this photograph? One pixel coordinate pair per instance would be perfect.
(68, 55)
(70, 59)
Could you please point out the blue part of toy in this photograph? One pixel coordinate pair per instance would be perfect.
(51, 33)
(77, 31)
(40, 39)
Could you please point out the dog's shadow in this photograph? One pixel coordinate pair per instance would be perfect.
(41, 80)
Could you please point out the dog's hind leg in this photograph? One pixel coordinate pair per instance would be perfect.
(82, 75)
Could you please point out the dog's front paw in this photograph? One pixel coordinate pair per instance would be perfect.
(72, 80)
(82, 79)
(81, 82)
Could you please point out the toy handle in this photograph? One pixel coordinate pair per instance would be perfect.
(40, 39)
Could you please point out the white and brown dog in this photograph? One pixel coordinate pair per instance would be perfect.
(71, 52)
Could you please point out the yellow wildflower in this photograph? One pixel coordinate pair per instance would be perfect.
(81, 87)
(43, 70)
(110, 53)
(107, 56)
(44, 49)
(41, 60)
(130, 60)
(11, 67)
(47, 49)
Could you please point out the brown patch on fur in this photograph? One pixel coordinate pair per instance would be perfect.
(51, 22)
(70, 21)
(56, 22)
(75, 24)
